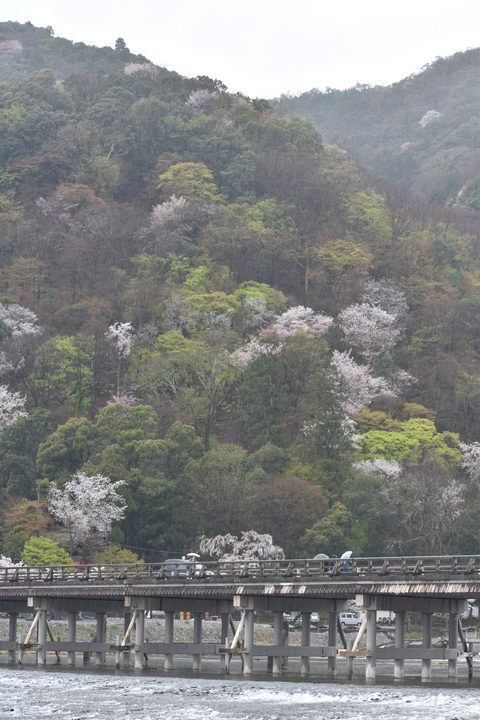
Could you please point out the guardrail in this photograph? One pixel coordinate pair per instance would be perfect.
(238, 570)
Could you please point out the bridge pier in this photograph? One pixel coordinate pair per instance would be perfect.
(12, 637)
(139, 640)
(277, 660)
(427, 643)
(370, 667)
(332, 642)
(305, 660)
(72, 636)
(169, 629)
(249, 629)
(399, 663)
(42, 637)
(197, 639)
(452, 642)
(100, 637)
(224, 637)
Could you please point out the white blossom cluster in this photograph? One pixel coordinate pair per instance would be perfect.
(19, 320)
(384, 294)
(300, 319)
(357, 386)
(471, 459)
(121, 337)
(379, 466)
(6, 562)
(170, 215)
(370, 329)
(251, 545)
(428, 117)
(244, 355)
(87, 505)
(202, 99)
(145, 68)
(12, 407)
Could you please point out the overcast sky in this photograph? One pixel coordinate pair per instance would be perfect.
(267, 47)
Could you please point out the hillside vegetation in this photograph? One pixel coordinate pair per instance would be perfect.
(200, 298)
(422, 132)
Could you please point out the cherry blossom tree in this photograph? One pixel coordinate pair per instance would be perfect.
(244, 355)
(12, 407)
(379, 467)
(173, 214)
(471, 459)
(300, 319)
(202, 99)
(6, 562)
(370, 329)
(19, 320)
(385, 295)
(87, 505)
(251, 545)
(120, 335)
(356, 385)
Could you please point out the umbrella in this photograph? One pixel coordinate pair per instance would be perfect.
(193, 556)
(321, 556)
(346, 555)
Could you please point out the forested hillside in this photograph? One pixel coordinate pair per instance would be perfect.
(422, 132)
(201, 299)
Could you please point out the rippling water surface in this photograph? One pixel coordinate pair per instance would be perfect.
(32, 695)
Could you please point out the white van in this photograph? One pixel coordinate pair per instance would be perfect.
(349, 619)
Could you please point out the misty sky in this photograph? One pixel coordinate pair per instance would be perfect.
(267, 47)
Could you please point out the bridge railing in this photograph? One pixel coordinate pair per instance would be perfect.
(239, 570)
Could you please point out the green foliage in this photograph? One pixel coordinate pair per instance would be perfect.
(193, 181)
(45, 552)
(115, 554)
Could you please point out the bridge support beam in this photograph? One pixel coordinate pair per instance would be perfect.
(248, 641)
(452, 642)
(399, 666)
(224, 635)
(332, 642)
(427, 643)
(100, 637)
(139, 640)
(197, 638)
(305, 661)
(278, 642)
(42, 637)
(169, 627)
(370, 667)
(72, 636)
(12, 637)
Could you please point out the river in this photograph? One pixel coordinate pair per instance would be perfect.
(33, 694)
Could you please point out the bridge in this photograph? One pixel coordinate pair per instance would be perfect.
(239, 593)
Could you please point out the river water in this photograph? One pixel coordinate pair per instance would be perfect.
(90, 695)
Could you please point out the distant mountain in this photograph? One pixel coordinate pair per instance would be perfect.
(25, 49)
(423, 131)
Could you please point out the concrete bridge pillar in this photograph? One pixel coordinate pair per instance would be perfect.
(399, 666)
(277, 641)
(139, 640)
(169, 627)
(197, 639)
(248, 641)
(224, 635)
(427, 643)
(100, 637)
(452, 643)
(42, 637)
(305, 661)
(72, 636)
(12, 637)
(370, 667)
(332, 642)
(126, 653)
